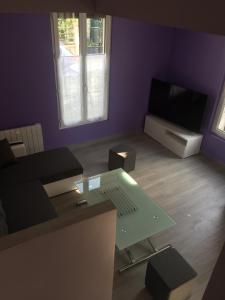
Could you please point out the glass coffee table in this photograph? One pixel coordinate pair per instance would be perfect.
(138, 217)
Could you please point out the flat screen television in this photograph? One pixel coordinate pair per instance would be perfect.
(177, 104)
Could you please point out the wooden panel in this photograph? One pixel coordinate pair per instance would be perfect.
(71, 260)
(71, 217)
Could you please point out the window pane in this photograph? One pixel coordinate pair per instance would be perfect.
(68, 29)
(95, 35)
(69, 68)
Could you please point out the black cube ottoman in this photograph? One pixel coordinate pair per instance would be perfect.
(122, 156)
(169, 276)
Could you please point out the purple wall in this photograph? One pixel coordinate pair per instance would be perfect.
(139, 52)
(198, 62)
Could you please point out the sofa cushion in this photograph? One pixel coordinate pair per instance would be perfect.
(3, 224)
(52, 165)
(6, 155)
(26, 205)
(47, 166)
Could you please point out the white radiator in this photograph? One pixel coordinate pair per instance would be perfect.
(31, 136)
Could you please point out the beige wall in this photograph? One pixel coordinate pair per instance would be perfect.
(200, 15)
(74, 262)
(47, 5)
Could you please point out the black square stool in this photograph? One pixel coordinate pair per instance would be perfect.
(122, 156)
(169, 276)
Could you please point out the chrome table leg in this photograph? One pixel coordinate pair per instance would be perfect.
(135, 261)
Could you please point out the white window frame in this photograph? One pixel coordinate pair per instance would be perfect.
(218, 115)
(83, 52)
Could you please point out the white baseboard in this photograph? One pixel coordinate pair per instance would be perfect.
(115, 137)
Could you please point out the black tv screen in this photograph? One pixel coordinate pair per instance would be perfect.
(179, 105)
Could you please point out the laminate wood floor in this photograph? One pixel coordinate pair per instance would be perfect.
(191, 190)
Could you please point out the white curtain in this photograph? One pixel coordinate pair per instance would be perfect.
(221, 118)
(70, 89)
(82, 78)
(96, 79)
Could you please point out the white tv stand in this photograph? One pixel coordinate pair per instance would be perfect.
(182, 142)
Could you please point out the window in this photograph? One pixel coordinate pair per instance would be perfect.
(82, 59)
(219, 123)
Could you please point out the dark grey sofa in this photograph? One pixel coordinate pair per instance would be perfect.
(27, 204)
(24, 199)
(47, 166)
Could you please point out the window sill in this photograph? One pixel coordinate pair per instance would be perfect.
(62, 127)
(219, 133)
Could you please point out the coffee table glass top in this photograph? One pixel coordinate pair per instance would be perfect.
(138, 217)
